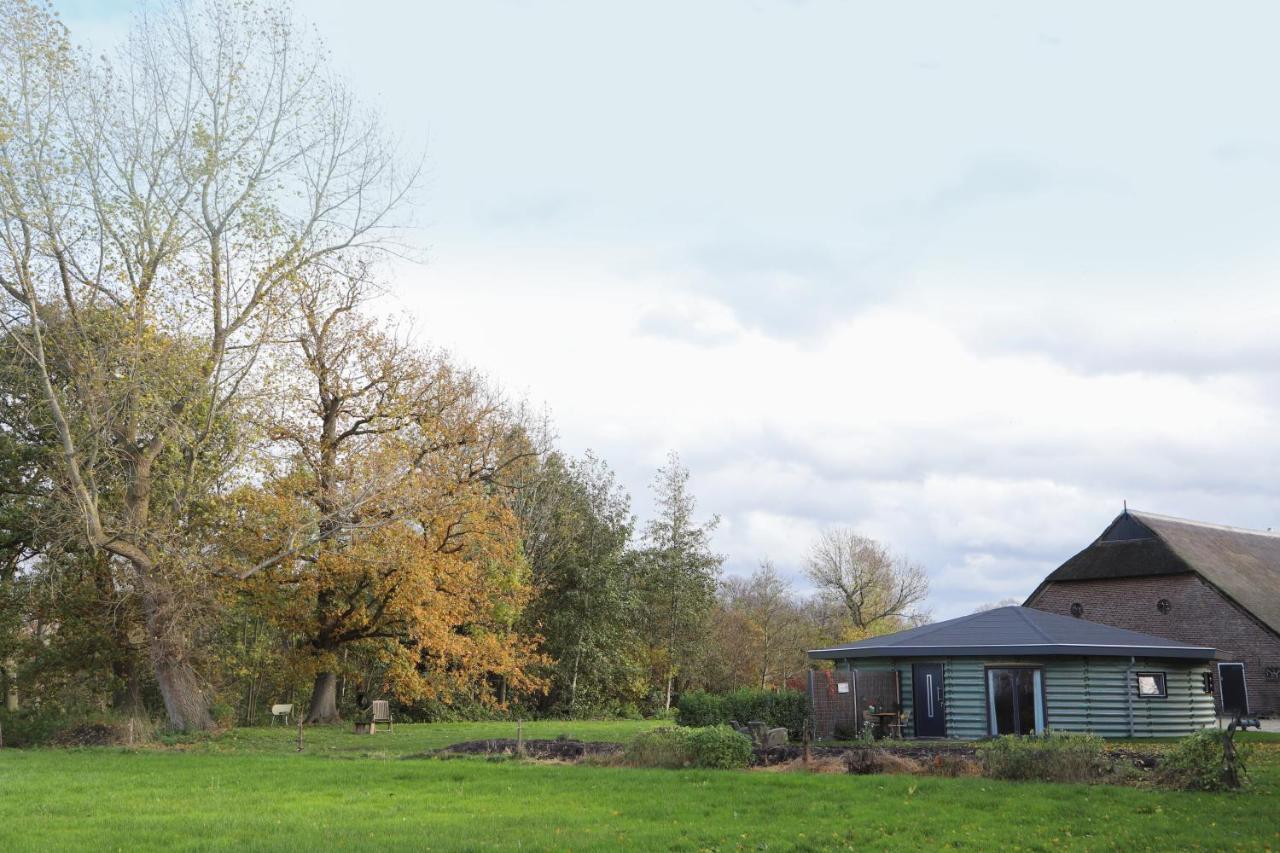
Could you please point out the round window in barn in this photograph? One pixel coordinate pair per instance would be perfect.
(1163, 605)
(1077, 610)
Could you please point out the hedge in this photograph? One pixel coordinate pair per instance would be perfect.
(787, 708)
(717, 747)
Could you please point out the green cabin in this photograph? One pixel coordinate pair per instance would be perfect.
(1016, 670)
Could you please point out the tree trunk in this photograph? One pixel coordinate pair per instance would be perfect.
(573, 683)
(184, 700)
(671, 677)
(324, 699)
(11, 685)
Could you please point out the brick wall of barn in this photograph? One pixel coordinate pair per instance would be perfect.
(1197, 614)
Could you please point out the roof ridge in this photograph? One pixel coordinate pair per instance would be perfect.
(1140, 514)
(1022, 611)
(925, 630)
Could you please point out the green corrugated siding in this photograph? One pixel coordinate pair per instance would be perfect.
(1081, 695)
(965, 695)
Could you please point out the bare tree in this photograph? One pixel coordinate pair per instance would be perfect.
(177, 191)
(877, 589)
(767, 622)
(994, 605)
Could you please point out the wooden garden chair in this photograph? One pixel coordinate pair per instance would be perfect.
(381, 709)
(898, 727)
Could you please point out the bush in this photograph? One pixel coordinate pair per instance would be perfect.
(788, 709)
(1199, 763)
(712, 746)
(697, 708)
(1054, 757)
(34, 727)
(664, 747)
(30, 728)
(720, 747)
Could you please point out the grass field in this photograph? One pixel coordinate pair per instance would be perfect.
(249, 790)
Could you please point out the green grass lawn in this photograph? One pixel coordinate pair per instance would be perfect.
(248, 790)
(405, 739)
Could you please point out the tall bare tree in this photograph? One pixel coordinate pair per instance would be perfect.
(181, 187)
(878, 590)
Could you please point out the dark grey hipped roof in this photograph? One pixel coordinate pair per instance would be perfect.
(1018, 631)
(1243, 564)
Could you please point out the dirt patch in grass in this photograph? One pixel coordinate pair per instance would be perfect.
(1140, 760)
(919, 753)
(910, 758)
(559, 750)
(90, 734)
(825, 764)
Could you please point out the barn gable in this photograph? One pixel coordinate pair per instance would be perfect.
(1243, 564)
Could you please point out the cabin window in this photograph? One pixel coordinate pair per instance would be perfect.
(1151, 685)
(1015, 703)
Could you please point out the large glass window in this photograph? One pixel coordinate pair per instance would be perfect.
(1014, 703)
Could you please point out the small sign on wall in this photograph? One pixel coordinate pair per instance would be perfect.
(1272, 673)
(842, 687)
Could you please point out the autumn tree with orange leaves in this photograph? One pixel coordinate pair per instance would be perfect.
(383, 520)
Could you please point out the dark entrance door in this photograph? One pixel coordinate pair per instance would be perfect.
(1235, 699)
(926, 691)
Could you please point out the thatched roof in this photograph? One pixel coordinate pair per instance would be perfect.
(1020, 631)
(1243, 564)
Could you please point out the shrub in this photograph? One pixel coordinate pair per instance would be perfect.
(720, 747)
(697, 708)
(1054, 757)
(712, 746)
(33, 727)
(788, 709)
(664, 747)
(1199, 763)
(30, 728)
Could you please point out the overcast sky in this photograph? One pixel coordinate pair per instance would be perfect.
(961, 276)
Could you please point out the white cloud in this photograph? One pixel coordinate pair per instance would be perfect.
(988, 463)
(965, 287)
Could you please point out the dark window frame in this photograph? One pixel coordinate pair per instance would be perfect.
(986, 693)
(1163, 681)
(1244, 677)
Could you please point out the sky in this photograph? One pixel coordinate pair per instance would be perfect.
(962, 277)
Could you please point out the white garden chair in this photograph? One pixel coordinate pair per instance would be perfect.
(281, 711)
